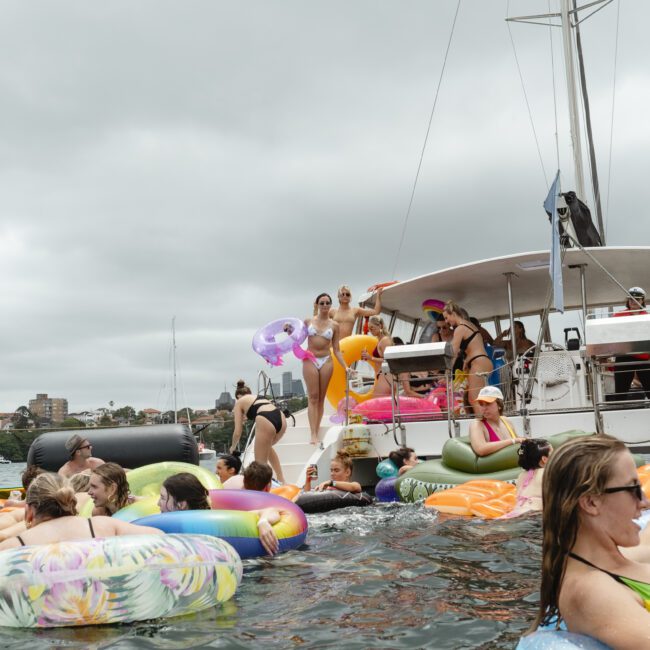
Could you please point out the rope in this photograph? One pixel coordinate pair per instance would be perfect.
(424, 145)
(557, 140)
(530, 114)
(611, 128)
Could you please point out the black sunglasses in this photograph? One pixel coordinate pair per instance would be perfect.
(86, 447)
(636, 488)
(323, 304)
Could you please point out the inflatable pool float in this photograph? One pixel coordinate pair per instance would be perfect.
(129, 447)
(331, 499)
(147, 480)
(292, 333)
(6, 491)
(482, 498)
(229, 519)
(351, 348)
(559, 640)
(460, 464)
(115, 580)
(411, 409)
(288, 491)
(385, 490)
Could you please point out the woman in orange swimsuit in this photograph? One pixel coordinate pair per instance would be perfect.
(323, 333)
(469, 350)
(591, 497)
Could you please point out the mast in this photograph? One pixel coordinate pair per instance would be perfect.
(174, 368)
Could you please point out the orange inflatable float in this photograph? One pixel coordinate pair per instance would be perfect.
(482, 498)
(288, 491)
(351, 349)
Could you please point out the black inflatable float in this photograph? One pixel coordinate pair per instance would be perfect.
(312, 502)
(129, 447)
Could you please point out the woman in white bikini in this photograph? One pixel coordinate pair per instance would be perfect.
(323, 333)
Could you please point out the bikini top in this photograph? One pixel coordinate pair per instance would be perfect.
(251, 414)
(90, 525)
(462, 348)
(327, 334)
(638, 587)
(493, 434)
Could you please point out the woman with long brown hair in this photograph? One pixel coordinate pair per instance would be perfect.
(591, 496)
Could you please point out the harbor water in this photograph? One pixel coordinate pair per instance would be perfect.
(386, 576)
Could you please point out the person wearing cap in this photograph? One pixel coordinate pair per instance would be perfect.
(624, 374)
(490, 431)
(81, 458)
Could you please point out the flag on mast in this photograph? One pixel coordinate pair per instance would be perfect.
(555, 267)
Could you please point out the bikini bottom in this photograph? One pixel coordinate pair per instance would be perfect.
(274, 417)
(319, 362)
(478, 356)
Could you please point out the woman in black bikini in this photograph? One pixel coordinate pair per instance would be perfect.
(270, 425)
(51, 516)
(469, 350)
(592, 495)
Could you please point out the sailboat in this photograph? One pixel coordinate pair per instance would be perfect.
(558, 386)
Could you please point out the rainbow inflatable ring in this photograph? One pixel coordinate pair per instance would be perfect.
(115, 580)
(230, 519)
(433, 309)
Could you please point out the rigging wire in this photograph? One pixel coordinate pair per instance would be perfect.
(611, 128)
(557, 137)
(523, 87)
(424, 145)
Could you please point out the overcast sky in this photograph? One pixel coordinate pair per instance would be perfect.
(224, 162)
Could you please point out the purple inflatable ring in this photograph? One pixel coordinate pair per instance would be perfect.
(265, 343)
(385, 490)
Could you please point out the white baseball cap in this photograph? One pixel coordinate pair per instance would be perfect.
(489, 394)
(636, 291)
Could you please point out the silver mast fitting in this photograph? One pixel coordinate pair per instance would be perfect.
(174, 369)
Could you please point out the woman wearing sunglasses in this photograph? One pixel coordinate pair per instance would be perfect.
(591, 498)
(323, 333)
(346, 316)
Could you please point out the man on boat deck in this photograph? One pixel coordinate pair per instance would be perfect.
(81, 459)
(624, 375)
(346, 316)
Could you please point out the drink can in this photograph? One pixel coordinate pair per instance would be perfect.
(313, 471)
(16, 495)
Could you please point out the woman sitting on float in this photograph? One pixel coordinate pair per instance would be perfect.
(491, 432)
(591, 497)
(340, 474)
(404, 459)
(51, 516)
(383, 385)
(109, 489)
(228, 468)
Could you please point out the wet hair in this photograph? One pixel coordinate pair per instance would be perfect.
(81, 481)
(51, 496)
(232, 461)
(318, 297)
(242, 389)
(532, 451)
(397, 340)
(578, 468)
(379, 321)
(344, 459)
(29, 474)
(400, 456)
(474, 321)
(186, 487)
(113, 474)
(257, 476)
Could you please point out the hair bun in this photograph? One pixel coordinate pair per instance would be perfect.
(241, 383)
(236, 453)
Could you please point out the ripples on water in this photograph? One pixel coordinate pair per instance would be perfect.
(387, 576)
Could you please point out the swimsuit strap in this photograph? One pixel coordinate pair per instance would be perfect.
(508, 427)
(20, 539)
(90, 525)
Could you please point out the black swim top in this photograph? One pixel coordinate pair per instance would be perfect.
(462, 351)
(90, 525)
(251, 414)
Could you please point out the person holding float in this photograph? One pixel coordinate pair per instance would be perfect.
(490, 431)
(109, 489)
(323, 333)
(346, 316)
(383, 384)
(404, 459)
(270, 425)
(51, 516)
(470, 355)
(592, 496)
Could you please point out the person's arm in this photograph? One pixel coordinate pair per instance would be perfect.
(12, 542)
(345, 486)
(96, 462)
(18, 528)
(126, 528)
(406, 386)
(375, 311)
(335, 346)
(239, 425)
(267, 518)
(481, 446)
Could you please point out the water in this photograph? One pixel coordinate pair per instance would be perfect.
(387, 576)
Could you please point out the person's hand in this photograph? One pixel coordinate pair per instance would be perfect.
(380, 291)
(268, 538)
(232, 448)
(518, 441)
(312, 473)
(288, 328)
(322, 486)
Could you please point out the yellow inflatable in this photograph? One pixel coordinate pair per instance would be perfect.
(482, 498)
(351, 349)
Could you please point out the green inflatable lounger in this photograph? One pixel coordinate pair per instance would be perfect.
(460, 464)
